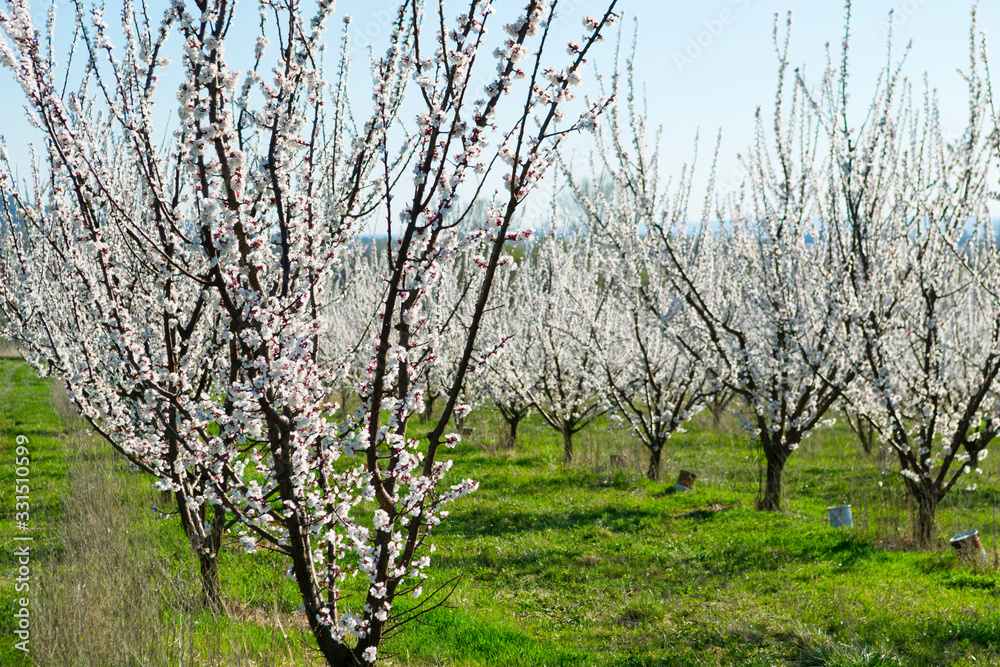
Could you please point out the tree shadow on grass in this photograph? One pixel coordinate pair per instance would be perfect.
(983, 631)
(746, 552)
(480, 522)
(541, 483)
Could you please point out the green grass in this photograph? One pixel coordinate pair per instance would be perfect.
(593, 565)
(590, 565)
(26, 410)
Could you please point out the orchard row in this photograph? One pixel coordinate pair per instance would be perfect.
(202, 294)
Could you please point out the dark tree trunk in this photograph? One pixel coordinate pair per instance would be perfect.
(716, 411)
(208, 559)
(512, 414)
(206, 549)
(300, 549)
(925, 529)
(211, 596)
(776, 458)
(428, 412)
(653, 471)
(567, 435)
(717, 406)
(513, 423)
(335, 653)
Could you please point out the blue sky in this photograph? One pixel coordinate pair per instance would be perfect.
(733, 71)
(706, 64)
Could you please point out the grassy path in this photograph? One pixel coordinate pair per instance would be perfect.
(27, 418)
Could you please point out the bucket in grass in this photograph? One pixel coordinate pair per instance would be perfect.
(968, 545)
(685, 480)
(840, 516)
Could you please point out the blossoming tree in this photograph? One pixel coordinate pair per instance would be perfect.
(648, 376)
(767, 319)
(924, 259)
(508, 318)
(554, 361)
(250, 207)
(127, 357)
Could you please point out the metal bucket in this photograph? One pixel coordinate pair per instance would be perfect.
(968, 545)
(840, 516)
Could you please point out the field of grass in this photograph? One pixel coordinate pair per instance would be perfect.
(586, 564)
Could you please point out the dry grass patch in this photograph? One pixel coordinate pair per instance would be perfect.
(125, 590)
(7, 350)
